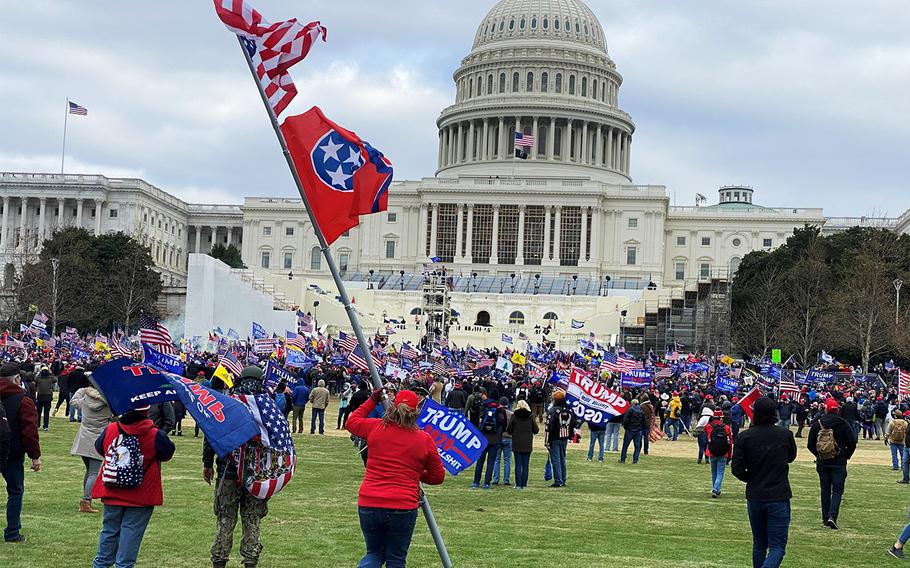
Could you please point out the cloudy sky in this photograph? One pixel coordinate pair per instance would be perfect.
(808, 102)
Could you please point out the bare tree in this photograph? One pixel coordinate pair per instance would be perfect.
(807, 287)
(758, 325)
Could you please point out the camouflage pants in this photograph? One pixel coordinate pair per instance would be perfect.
(228, 500)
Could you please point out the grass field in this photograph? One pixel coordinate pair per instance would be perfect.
(656, 513)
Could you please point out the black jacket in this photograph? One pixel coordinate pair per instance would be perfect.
(456, 398)
(522, 428)
(761, 458)
(849, 412)
(843, 436)
(634, 419)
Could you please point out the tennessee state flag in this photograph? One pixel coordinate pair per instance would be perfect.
(343, 176)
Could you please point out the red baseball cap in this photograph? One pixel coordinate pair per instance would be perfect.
(407, 397)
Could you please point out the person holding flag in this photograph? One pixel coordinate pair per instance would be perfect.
(401, 457)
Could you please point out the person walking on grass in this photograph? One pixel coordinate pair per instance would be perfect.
(897, 435)
(44, 390)
(129, 488)
(897, 550)
(401, 457)
(96, 415)
(831, 442)
(699, 432)
(504, 458)
(300, 396)
(522, 427)
(22, 419)
(761, 460)
(491, 421)
(719, 450)
(598, 433)
(319, 401)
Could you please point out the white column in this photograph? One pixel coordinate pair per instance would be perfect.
(435, 230)
(494, 249)
(485, 145)
(469, 254)
(551, 138)
(229, 239)
(598, 148)
(520, 251)
(471, 146)
(583, 244)
(536, 142)
(99, 205)
(594, 251)
(439, 162)
(459, 229)
(61, 211)
(556, 234)
(501, 145)
(198, 247)
(584, 142)
(458, 150)
(421, 231)
(79, 203)
(546, 234)
(567, 138)
(609, 163)
(628, 153)
(4, 230)
(215, 237)
(24, 213)
(42, 207)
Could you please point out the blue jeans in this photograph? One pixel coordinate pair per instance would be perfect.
(612, 442)
(832, 479)
(320, 412)
(599, 438)
(905, 534)
(633, 436)
(676, 425)
(522, 464)
(770, 522)
(897, 451)
(73, 412)
(505, 458)
(121, 534)
(14, 474)
(558, 459)
(718, 466)
(702, 446)
(387, 533)
(489, 457)
(856, 428)
(44, 411)
(906, 466)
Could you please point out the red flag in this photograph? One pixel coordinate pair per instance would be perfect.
(343, 176)
(747, 401)
(903, 385)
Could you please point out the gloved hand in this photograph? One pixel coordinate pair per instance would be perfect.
(376, 396)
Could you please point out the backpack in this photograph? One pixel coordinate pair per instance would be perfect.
(6, 435)
(826, 445)
(265, 470)
(564, 422)
(718, 444)
(476, 410)
(123, 462)
(490, 423)
(898, 432)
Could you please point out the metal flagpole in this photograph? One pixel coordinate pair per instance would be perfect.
(342, 291)
(66, 114)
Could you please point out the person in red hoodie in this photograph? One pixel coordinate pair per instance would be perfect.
(127, 510)
(401, 456)
(22, 417)
(719, 451)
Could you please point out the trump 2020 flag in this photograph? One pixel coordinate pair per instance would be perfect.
(458, 442)
(343, 176)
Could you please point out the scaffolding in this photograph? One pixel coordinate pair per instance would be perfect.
(437, 305)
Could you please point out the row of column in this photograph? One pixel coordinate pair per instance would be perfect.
(213, 234)
(552, 219)
(44, 229)
(596, 144)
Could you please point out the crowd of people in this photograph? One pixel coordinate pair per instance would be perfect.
(510, 397)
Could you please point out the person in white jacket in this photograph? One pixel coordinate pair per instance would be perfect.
(699, 432)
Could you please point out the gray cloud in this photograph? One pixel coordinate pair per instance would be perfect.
(806, 101)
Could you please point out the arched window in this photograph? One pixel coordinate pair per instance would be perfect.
(544, 82)
(515, 82)
(502, 83)
(517, 317)
(568, 25)
(584, 86)
(734, 265)
(512, 24)
(530, 82)
(470, 88)
(603, 91)
(559, 83)
(315, 259)
(557, 142)
(483, 318)
(586, 28)
(521, 23)
(571, 84)
(577, 27)
(541, 145)
(533, 22)
(550, 316)
(479, 85)
(490, 84)
(416, 312)
(594, 89)
(502, 25)
(546, 23)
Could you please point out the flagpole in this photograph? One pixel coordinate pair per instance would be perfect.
(66, 114)
(342, 291)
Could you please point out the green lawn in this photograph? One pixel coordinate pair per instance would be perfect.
(656, 513)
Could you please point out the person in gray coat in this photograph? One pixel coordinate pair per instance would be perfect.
(96, 415)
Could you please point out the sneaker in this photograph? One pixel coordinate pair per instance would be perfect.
(495, 483)
(713, 494)
(621, 461)
(897, 552)
(903, 481)
(507, 482)
(16, 539)
(486, 486)
(831, 524)
(554, 485)
(587, 459)
(475, 486)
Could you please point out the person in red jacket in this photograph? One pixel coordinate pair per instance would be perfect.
(401, 456)
(127, 510)
(720, 449)
(22, 417)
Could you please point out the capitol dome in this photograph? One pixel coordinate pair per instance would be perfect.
(539, 68)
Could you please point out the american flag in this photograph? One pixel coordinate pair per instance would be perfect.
(274, 434)
(347, 342)
(525, 140)
(295, 340)
(273, 48)
(231, 364)
(617, 363)
(154, 333)
(665, 372)
(304, 322)
(118, 350)
(788, 388)
(357, 359)
(903, 385)
(466, 373)
(76, 109)
(409, 352)
(536, 371)
(485, 361)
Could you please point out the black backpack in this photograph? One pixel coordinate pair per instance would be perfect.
(718, 443)
(490, 422)
(6, 435)
(476, 410)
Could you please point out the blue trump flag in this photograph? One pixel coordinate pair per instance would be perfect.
(725, 383)
(226, 422)
(258, 331)
(274, 374)
(80, 353)
(458, 442)
(161, 361)
(636, 378)
(298, 359)
(125, 390)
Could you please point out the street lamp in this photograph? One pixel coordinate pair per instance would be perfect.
(897, 304)
(606, 289)
(474, 280)
(622, 327)
(370, 280)
(55, 262)
(315, 319)
(574, 284)
(512, 276)
(536, 283)
(291, 275)
(401, 279)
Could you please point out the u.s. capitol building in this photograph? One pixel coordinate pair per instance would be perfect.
(563, 220)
